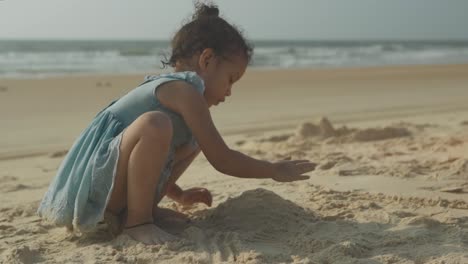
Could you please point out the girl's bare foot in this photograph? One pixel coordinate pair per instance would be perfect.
(114, 223)
(148, 233)
(169, 215)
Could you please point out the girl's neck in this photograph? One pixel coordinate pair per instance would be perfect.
(184, 69)
(180, 67)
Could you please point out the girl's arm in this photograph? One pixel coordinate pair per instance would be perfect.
(181, 97)
(174, 192)
(190, 196)
(183, 159)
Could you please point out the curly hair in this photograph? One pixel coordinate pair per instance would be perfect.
(207, 30)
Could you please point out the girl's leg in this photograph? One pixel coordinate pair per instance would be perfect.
(143, 153)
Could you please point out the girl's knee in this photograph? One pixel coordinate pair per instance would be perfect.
(156, 125)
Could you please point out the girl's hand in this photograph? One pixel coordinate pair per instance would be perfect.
(196, 195)
(292, 170)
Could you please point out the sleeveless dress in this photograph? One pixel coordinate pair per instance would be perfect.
(79, 193)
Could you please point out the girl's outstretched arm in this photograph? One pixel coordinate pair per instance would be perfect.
(181, 97)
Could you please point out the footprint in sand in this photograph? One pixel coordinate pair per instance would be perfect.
(9, 184)
(58, 154)
(24, 210)
(452, 141)
(328, 165)
(240, 142)
(8, 178)
(22, 254)
(453, 190)
(356, 171)
(13, 187)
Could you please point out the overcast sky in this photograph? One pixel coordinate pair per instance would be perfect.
(260, 19)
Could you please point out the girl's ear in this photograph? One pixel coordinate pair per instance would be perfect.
(207, 57)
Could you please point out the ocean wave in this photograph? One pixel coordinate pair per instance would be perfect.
(136, 53)
(29, 59)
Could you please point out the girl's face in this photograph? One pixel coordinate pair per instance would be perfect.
(219, 74)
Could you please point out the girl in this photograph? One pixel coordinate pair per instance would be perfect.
(136, 148)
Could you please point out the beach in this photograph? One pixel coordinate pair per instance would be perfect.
(391, 185)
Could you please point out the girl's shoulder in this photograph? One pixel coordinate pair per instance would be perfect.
(188, 76)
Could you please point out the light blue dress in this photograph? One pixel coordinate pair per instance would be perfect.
(78, 195)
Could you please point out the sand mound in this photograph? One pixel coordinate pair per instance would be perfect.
(403, 150)
(260, 226)
(325, 129)
(307, 129)
(260, 219)
(256, 211)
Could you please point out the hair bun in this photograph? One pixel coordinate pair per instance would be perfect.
(203, 10)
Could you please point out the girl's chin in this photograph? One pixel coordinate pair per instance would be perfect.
(210, 105)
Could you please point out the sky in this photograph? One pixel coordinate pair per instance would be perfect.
(259, 19)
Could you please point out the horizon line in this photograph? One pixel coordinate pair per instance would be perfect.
(251, 40)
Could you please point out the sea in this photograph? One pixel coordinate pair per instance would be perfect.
(44, 58)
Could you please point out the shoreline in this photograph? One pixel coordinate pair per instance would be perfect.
(250, 68)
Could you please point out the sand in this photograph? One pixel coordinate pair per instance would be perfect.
(391, 184)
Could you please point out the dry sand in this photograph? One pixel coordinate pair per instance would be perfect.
(391, 185)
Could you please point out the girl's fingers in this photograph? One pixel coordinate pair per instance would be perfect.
(199, 195)
(293, 178)
(299, 161)
(208, 198)
(305, 167)
(205, 197)
(299, 178)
